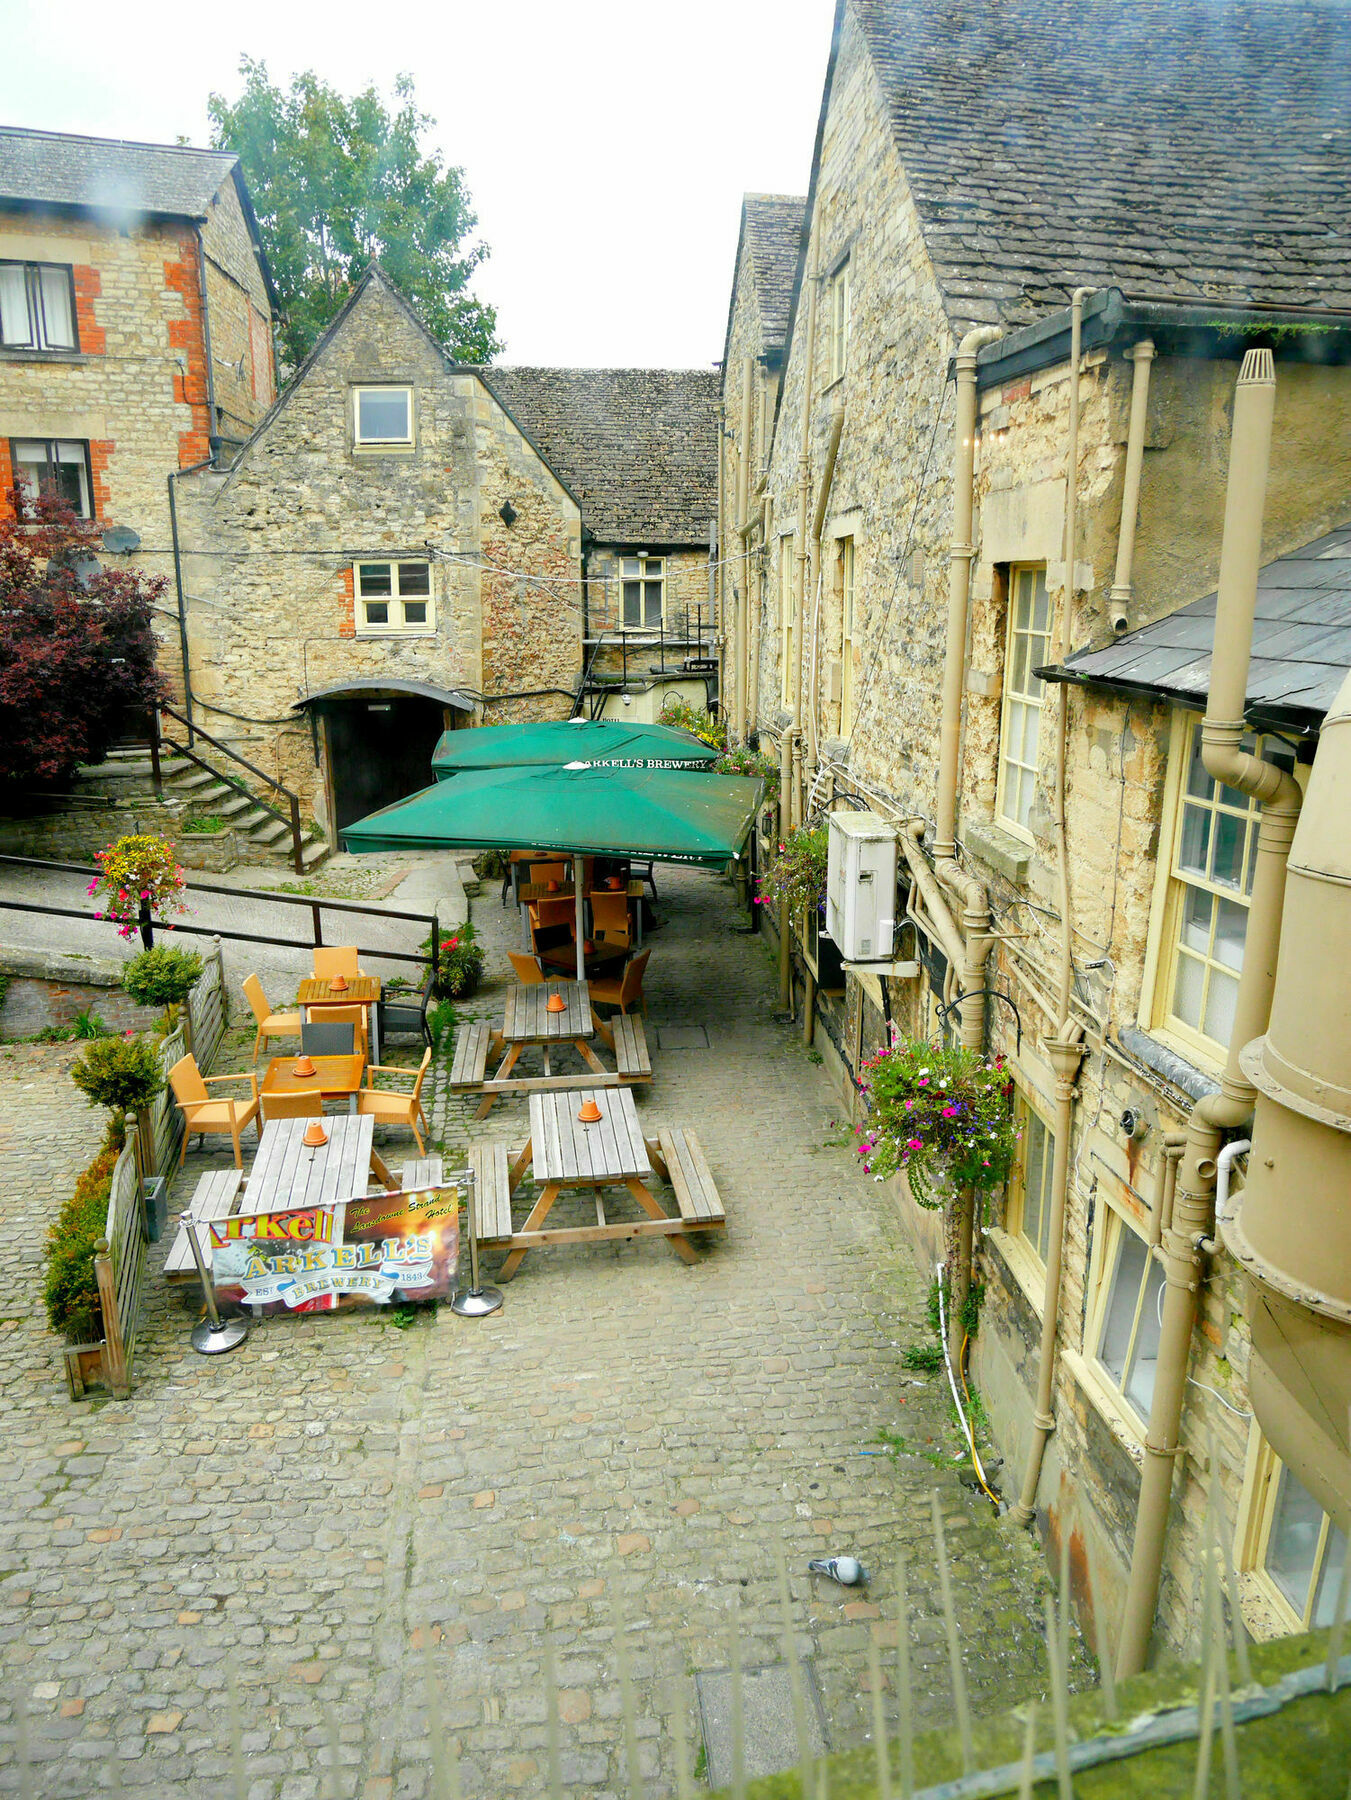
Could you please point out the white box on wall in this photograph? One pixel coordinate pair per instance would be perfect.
(861, 886)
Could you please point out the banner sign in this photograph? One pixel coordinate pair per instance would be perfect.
(381, 1248)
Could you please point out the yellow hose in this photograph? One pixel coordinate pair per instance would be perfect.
(971, 1427)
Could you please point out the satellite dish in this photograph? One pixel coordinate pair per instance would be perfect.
(83, 567)
(121, 540)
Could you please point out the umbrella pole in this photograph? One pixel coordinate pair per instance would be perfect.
(577, 865)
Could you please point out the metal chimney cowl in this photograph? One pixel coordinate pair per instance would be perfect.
(1290, 1227)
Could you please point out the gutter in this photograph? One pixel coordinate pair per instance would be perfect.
(212, 418)
(1216, 333)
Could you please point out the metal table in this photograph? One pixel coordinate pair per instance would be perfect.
(563, 1152)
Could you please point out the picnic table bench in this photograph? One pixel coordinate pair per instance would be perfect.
(562, 1152)
(527, 1021)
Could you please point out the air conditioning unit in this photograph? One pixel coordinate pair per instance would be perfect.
(861, 886)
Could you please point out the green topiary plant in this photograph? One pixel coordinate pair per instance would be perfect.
(162, 977)
(122, 1073)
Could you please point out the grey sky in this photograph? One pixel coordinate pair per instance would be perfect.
(606, 144)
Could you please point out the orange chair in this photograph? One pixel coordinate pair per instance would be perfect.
(610, 920)
(331, 960)
(626, 990)
(542, 872)
(291, 1106)
(270, 1024)
(202, 1114)
(528, 970)
(396, 1109)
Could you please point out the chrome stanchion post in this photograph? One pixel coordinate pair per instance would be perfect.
(212, 1334)
(475, 1301)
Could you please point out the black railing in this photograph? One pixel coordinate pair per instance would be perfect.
(290, 818)
(317, 909)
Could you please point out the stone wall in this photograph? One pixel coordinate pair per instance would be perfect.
(241, 318)
(44, 989)
(272, 543)
(891, 492)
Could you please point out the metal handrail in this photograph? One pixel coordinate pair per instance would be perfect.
(249, 937)
(195, 731)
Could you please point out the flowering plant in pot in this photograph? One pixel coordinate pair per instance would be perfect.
(745, 761)
(459, 962)
(138, 871)
(798, 873)
(943, 1114)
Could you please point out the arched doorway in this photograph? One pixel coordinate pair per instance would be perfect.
(376, 740)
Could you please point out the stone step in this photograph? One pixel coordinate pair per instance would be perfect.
(192, 779)
(271, 831)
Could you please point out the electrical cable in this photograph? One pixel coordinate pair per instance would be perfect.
(967, 1432)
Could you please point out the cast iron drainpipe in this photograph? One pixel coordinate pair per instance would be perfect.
(1192, 1227)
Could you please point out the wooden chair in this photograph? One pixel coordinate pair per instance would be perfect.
(270, 1024)
(528, 970)
(291, 1106)
(202, 1114)
(331, 960)
(542, 872)
(610, 922)
(623, 991)
(355, 1016)
(396, 1109)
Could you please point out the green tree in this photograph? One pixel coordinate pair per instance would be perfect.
(340, 183)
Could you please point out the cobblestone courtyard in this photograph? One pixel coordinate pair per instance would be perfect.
(343, 1505)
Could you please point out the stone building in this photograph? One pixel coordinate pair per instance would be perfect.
(1157, 189)
(135, 323)
(638, 447)
(767, 250)
(387, 555)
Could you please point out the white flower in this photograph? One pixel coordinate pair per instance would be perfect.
(877, 1177)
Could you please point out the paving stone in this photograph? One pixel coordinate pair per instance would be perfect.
(629, 1432)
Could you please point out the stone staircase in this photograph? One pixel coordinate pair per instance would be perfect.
(198, 793)
(261, 835)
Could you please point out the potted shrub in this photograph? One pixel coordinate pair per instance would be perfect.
(138, 881)
(162, 977)
(942, 1113)
(459, 962)
(121, 1073)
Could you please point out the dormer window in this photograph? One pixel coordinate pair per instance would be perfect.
(383, 418)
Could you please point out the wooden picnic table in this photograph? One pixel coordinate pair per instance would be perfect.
(361, 990)
(563, 1153)
(526, 1021)
(286, 1173)
(335, 1077)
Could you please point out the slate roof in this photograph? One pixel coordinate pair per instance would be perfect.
(54, 168)
(1181, 150)
(771, 232)
(1301, 647)
(638, 447)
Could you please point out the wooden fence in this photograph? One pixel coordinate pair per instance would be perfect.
(153, 1141)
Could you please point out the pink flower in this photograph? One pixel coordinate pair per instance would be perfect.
(914, 1143)
(949, 1112)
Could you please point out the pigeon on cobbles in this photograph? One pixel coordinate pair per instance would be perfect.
(847, 1570)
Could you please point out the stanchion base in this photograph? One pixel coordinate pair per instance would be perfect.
(476, 1303)
(211, 1339)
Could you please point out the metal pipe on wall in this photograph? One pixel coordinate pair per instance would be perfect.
(818, 526)
(804, 482)
(1119, 600)
(960, 554)
(741, 660)
(1193, 1220)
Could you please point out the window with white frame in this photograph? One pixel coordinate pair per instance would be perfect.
(1212, 859)
(382, 416)
(788, 669)
(1125, 1312)
(37, 307)
(1029, 640)
(1029, 1209)
(838, 300)
(846, 577)
(1292, 1547)
(643, 588)
(57, 466)
(393, 597)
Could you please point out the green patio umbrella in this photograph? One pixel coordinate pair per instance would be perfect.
(671, 815)
(604, 742)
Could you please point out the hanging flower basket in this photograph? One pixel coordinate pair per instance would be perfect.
(135, 872)
(943, 1115)
(798, 873)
